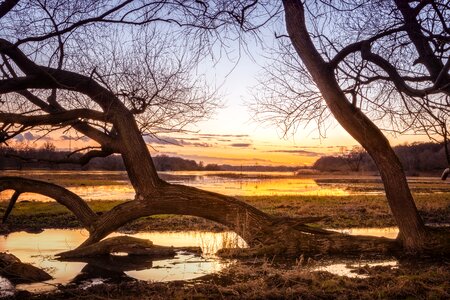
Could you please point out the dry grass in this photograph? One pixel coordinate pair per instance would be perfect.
(340, 212)
(287, 280)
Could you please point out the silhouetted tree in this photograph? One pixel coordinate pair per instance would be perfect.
(367, 63)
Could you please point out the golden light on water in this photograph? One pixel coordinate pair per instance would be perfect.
(39, 249)
(271, 187)
(228, 183)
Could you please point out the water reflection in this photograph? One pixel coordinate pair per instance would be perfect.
(114, 185)
(39, 249)
(351, 268)
(387, 232)
(267, 184)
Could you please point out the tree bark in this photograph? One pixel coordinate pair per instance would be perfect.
(361, 128)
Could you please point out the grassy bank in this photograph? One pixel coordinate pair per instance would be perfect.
(338, 212)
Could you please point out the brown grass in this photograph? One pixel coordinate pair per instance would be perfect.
(287, 280)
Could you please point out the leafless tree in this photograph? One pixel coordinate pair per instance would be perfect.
(373, 65)
(353, 157)
(78, 65)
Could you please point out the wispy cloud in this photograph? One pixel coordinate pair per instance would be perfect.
(162, 140)
(28, 136)
(75, 138)
(296, 151)
(166, 140)
(241, 145)
(223, 135)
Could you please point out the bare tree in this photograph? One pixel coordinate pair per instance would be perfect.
(77, 65)
(353, 157)
(368, 62)
(72, 65)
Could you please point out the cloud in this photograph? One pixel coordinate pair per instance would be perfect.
(190, 139)
(83, 138)
(166, 140)
(19, 137)
(240, 145)
(216, 136)
(204, 145)
(163, 140)
(222, 160)
(222, 135)
(297, 151)
(28, 136)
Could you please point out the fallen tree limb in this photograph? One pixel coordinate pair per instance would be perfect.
(126, 244)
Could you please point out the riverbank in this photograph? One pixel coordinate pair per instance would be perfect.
(337, 212)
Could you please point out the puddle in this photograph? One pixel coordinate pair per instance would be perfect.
(347, 268)
(39, 250)
(387, 232)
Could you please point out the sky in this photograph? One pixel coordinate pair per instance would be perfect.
(231, 136)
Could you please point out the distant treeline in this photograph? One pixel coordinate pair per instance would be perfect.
(31, 158)
(415, 158)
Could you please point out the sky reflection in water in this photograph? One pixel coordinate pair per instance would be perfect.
(39, 249)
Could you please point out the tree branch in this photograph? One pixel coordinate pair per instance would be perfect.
(394, 76)
(82, 160)
(355, 47)
(63, 196)
(13, 201)
(6, 6)
(52, 119)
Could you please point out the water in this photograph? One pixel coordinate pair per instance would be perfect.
(40, 249)
(387, 232)
(114, 185)
(347, 267)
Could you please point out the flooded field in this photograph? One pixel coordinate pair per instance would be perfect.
(40, 249)
(365, 203)
(100, 185)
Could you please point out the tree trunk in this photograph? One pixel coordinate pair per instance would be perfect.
(412, 229)
(265, 234)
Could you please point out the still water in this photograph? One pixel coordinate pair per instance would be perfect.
(110, 185)
(40, 250)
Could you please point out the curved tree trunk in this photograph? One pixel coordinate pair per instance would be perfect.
(361, 128)
(265, 234)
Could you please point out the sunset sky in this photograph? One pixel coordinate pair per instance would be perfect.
(231, 135)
